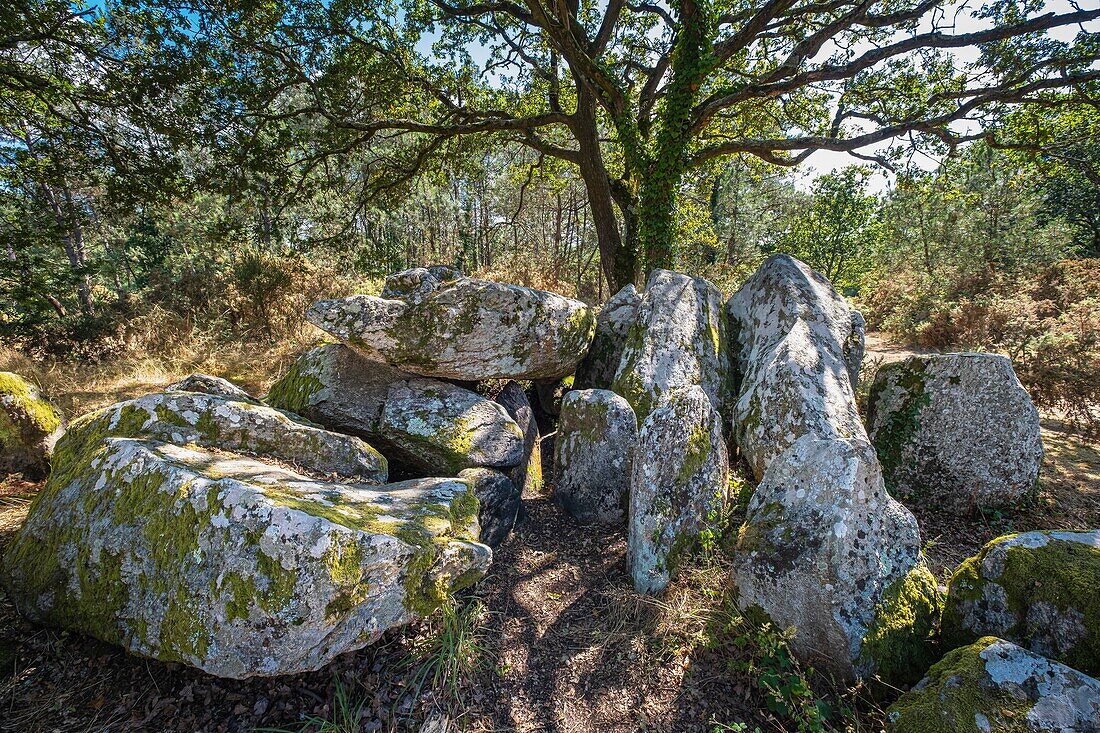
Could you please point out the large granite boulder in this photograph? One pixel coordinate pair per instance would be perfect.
(467, 329)
(678, 339)
(826, 552)
(526, 475)
(797, 349)
(1038, 589)
(208, 384)
(499, 502)
(679, 485)
(613, 322)
(29, 427)
(594, 455)
(236, 565)
(435, 426)
(958, 430)
(994, 686)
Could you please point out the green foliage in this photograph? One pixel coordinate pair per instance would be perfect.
(345, 717)
(452, 650)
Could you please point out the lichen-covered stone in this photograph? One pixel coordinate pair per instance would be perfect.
(526, 475)
(994, 686)
(417, 283)
(797, 351)
(228, 564)
(1040, 590)
(468, 329)
(594, 455)
(957, 430)
(208, 384)
(29, 426)
(212, 421)
(444, 429)
(679, 338)
(678, 488)
(435, 426)
(499, 502)
(825, 551)
(613, 322)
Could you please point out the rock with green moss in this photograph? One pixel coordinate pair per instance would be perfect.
(798, 348)
(499, 502)
(1038, 589)
(434, 426)
(678, 339)
(995, 686)
(825, 551)
(467, 329)
(594, 455)
(678, 487)
(526, 475)
(208, 384)
(956, 430)
(29, 427)
(613, 323)
(232, 565)
(220, 423)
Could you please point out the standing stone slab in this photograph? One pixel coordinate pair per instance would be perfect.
(1038, 589)
(678, 488)
(825, 551)
(613, 323)
(233, 565)
(527, 474)
(594, 455)
(29, 427)
(434, 425)
(995, 686)
(958, 430)
(798, 348)
(467, 329)
(499, 501)
(678, 339)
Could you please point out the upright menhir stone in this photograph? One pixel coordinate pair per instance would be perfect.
(679, 486)
(956, 430)
(678, 339)
(797, 348)
(594, 455)
(613, 323)
(465, 329)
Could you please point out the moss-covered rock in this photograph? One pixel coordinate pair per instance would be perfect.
(613, 323)
(956, 430)
(467, 329)
(994, 686)
(826, 552)
(594, 455)
(29, 427)
(526, 475)
(797, 353)
(1040, 590)
(232, 565)
(679, 486)
(418, 282)
(499, 502)
(678, 338)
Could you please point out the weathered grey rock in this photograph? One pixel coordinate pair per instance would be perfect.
(468, 329)
(211, 421)
(207, 384)
(798, 347)
(443, 428)
(417, 283)
(594, 455)
(499, 501)
(679, 485)
(231, 565)
(437, 426)
(1038, 589)
(527, 474)
(994, 686)
(958, 430)
(679, 338)
(825, 550)
(613, 322)
(29, 427)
